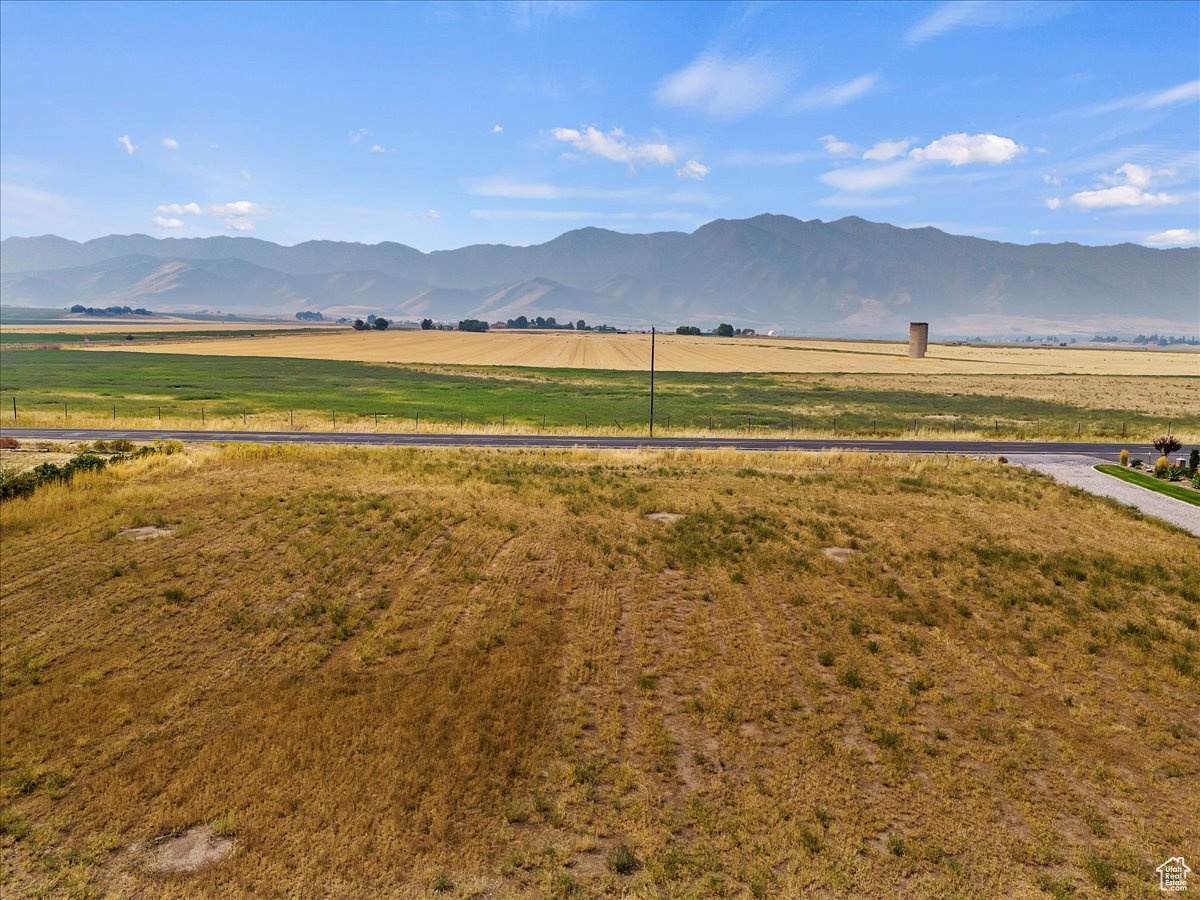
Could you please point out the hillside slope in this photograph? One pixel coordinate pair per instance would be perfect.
(388, 672)
(767, 271)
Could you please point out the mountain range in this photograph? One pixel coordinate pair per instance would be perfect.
(849, 276)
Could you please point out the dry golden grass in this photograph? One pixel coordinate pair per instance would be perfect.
(386, 672)
(677, 353)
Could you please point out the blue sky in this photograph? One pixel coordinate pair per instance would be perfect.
(443, 124)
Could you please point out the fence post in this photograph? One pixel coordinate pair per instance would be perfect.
(202, 415)
(64, 412)
(335, 420)
(668, 421)
(462, 419)
(292, 419)
(14, 407)
(243, 415)
(114, 412)
(418, 421)
(585, 421)
(376, 420)
(160, 414)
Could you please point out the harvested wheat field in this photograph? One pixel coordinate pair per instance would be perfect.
(355, 673)
(676, 353)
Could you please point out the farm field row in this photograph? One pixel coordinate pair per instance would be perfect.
(675, 353)
(56, 388)
(489, 671)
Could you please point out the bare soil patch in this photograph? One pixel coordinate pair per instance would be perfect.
(664, 516)
(146, 533)
(841, 554)
(188, 852)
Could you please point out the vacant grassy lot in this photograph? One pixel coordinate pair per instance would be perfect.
(390, 672)
(692, 354)
(266, 389)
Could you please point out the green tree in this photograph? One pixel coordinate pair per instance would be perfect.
(426, 324)
(724, 330)
(382, 324)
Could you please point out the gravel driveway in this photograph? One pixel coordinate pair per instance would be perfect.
(1077, 471)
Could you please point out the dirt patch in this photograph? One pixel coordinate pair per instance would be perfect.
(146, 532)
(191, 850)
(663, 517)
(841, 554)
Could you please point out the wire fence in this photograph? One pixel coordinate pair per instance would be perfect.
(226, 416)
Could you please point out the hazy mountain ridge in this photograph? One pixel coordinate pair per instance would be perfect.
(767, 271)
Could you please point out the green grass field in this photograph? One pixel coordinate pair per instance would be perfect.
(138, 384)
(141, 337)
(1153, 484)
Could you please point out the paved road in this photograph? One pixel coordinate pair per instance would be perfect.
(973, 448)
(1080, 472)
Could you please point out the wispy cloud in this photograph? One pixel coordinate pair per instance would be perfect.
(887, 150)
(125, 142)
(526, 15)
(164, 222)
(615, 146)
(693, 169)
(724, 87)
(962, 14)
(1171, 96)
(867, 178)
(358, 135)
(767, 158)
(378, 148)
(170, 143)
(834, 147)
(546, 215)
(536, 190)
(832, 96)
(1174, 237)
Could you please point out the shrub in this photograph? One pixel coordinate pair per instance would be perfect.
(850, 678)
(622, 860)
(1162, 467)
(1167, 444)
(1193, 461)
(1124, 457)
(10, 443)
(443, 884)
(1103, 872)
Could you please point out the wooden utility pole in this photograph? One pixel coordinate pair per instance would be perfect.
(652, 334)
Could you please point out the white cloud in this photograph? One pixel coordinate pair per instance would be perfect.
(1122, 195)
(527, 14)
(125, 142)
(959, 14)
(1127, 187)
(1138, 176)
(430, 214)
(962, 149)
(497, 129)
(1174, 237)
(835, 95)
(359, 134)
(238, 215)
(693, 169)
(615, 146)
(163, 222)
(535, 190)
(834, 147)
(887, 150)
(378, 148)
(724, 88)
(181, 209)
(856, 179)
(170, 143)
(1052, 180)
(1053, 202)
